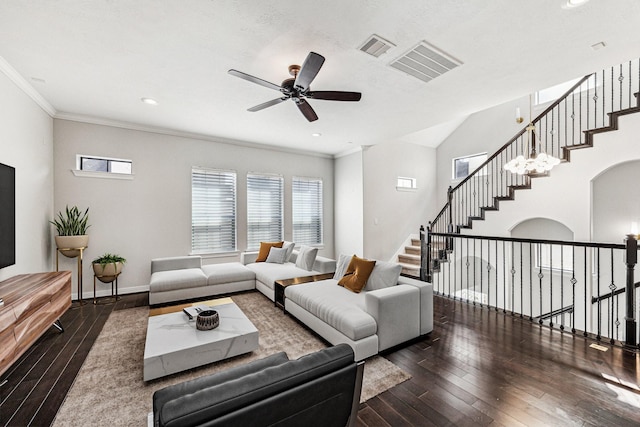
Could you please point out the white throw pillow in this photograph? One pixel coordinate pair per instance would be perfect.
(289, 247)
(306, 257)
(277, 255)
(341, 266)
(384, 274)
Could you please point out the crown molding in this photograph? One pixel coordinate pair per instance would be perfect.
(357, 149)
(171, 132)
(26, 87)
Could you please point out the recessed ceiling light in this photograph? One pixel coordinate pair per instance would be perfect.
(316, 134)
(574, 3)
(149, 101)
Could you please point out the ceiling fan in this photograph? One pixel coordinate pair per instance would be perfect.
(297, 88)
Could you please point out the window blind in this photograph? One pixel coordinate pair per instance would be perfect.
(264, 209)
(213, 210)
(307, 211)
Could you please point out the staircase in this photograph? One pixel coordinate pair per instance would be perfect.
(410, 259)
(592, 106)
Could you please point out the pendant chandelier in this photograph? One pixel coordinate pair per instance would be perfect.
(535, 162)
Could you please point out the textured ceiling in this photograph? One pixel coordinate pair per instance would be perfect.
(95, 60)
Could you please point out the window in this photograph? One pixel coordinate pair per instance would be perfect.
(213, 210)
(307, 211)
(405, 184)
(264, 209)
(103, 164)
(463, 166)
(552, 93)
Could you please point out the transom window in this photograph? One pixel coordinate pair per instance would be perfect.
(104, 164)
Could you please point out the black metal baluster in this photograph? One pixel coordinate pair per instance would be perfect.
(562, 286)
(585, 292)
(550, 283)
(496, 306)
(531, 282)
(573, 289)
(599, 334)
(513, 274)
(540, 276)
(612, 286)
(474, 272)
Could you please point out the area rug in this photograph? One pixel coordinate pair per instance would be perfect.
(109, 390)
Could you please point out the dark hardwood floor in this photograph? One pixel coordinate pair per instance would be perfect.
(477, 368)
(38, 382)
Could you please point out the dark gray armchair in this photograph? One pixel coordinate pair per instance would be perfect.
(319, 389)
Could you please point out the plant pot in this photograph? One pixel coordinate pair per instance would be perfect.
(66, 244)
(107, 273)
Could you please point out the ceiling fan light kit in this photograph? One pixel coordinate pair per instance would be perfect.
(298, 89)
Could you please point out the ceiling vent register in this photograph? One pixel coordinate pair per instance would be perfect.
(376, 46)
(425, 62)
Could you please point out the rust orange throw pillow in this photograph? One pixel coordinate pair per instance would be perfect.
(265, 247)
(358, 271)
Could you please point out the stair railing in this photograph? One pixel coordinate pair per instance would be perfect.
(590, 106)
(585, 288)
(568, 123)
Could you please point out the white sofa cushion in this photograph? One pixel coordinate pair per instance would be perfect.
(336, 306)
(177, 279)
(384, 275)
(277, 255)
(227, 272)
(306, 257)
(341, 266)
(267, 273)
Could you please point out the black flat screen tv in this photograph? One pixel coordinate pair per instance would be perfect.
(7, 216)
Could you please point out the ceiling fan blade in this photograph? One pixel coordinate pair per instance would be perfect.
(309, 71)
(332, 95)
(306, 110)
(267, 104)
(253, 79)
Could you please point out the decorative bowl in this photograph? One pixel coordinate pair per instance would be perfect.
(207, 320)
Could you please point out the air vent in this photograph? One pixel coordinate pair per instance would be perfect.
(425, 62)
(376, 46)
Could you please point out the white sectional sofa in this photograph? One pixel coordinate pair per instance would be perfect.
(398, 309)
(182, 278)
(389, 310)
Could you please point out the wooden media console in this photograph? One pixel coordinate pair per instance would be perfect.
(32, 303)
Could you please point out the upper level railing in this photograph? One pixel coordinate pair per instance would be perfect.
(561, 127)
(582, 287)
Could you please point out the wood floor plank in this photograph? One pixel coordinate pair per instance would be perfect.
(478, 367)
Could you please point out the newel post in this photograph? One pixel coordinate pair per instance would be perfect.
(449, 240)
(631, 258)
(425, 253)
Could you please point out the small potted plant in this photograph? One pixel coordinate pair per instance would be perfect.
(71, 226)
(107, 267)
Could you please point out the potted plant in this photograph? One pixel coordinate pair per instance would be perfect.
(71, 226)
(108, 267)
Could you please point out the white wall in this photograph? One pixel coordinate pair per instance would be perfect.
(390, 216)
(349, 187)
(150, 216)
(26, 144)
(616, 201)
(483, 132)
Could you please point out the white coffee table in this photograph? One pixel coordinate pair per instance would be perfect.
(174, 344)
